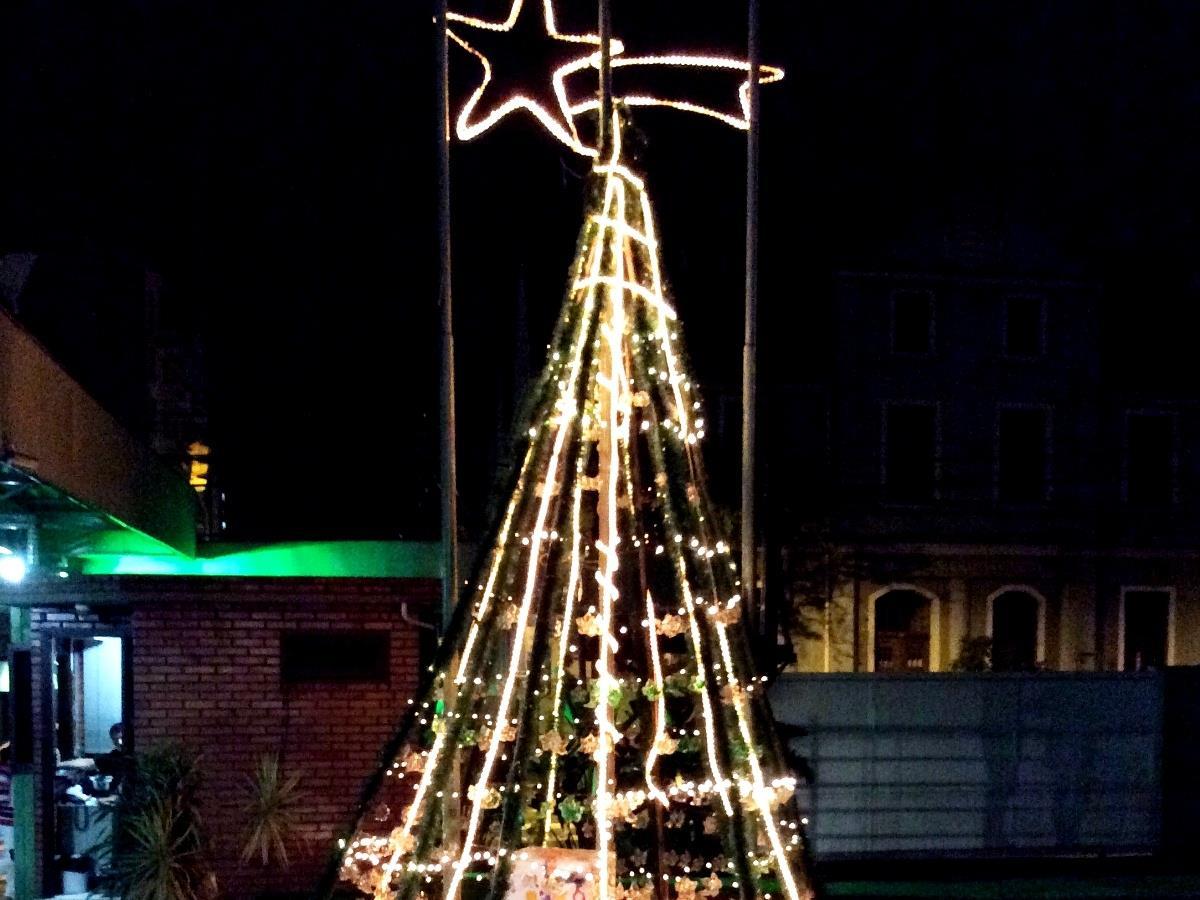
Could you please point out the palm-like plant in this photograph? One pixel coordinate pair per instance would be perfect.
(162, 855)
(271, 806)
(160, 851)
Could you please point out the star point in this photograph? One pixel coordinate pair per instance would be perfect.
(559, 118)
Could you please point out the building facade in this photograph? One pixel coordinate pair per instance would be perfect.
(312, 671)
(996, 490)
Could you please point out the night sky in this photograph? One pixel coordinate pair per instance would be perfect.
(274, 161)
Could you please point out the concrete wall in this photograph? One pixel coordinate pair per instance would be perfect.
(994, 764)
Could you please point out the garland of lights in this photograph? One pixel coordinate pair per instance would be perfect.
(597, 691)
(473, 120)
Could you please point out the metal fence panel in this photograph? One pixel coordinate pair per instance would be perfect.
(989, 763)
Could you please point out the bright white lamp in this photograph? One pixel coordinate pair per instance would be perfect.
(12, 566)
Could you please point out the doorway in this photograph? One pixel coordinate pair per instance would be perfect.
(88, 704)
(1147, 630)
(1015, 632)
(902, 644)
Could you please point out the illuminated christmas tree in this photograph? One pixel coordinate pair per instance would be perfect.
(596, 695)
(593, 729)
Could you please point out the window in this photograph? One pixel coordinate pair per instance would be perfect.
(1024, 327)
(1015, 632)
(335, 657)
(910, 466)
(912, 322)
(1147, 615)
(1022, 455)
(902, 632)
(1150, 459)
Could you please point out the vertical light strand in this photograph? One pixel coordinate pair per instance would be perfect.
(763, 796)
(663, 329)
(660, 703)
(566, 416)
(613, 333)
(489, 587)
(564, 639)
(710, 722)
(439, 741)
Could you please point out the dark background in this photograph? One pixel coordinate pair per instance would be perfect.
(274, 161)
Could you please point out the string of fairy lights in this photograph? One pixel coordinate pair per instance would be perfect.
(615, 376)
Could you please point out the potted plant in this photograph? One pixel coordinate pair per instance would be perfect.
(160, 850)
(271, 807)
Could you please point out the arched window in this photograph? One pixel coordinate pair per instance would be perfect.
(902, 620)
(1015, 616)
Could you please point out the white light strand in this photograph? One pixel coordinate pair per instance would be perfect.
(660, 703)
(563, 427)
(498, 557)
(564, 640)
(710, 723)
(767, 75)
(762, 794)
(613, 333)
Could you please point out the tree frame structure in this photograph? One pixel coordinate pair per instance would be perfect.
(593, 716)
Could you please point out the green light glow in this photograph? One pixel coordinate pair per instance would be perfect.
(304, 559)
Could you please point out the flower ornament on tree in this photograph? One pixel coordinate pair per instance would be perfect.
(666, 745)
(729, 615)
(670, 625)
(553, 742)
(402, 841)
(484, 738)
(588, 625)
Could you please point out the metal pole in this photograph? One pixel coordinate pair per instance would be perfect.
(450, 813)
(449, 467)
(750, 347)
(606, 102)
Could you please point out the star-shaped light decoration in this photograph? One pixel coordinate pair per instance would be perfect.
(575, 52)
(488, 104)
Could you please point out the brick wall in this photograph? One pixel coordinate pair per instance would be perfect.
(206, 673)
